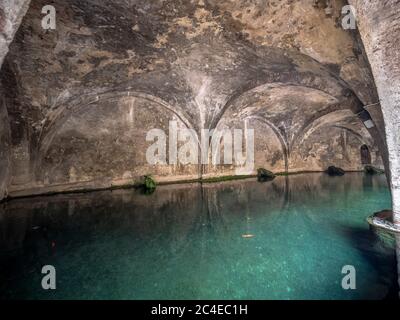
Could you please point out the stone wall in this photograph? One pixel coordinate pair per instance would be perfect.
(80, 107)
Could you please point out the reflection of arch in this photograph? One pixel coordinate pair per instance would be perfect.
(365, 154)
(55, 122)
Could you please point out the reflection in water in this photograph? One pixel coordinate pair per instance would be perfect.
(285, 239)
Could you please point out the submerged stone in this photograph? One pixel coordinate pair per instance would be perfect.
(335, 171)
(373, 170)
(265, 175)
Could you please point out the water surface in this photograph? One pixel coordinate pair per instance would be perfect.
(285, 239)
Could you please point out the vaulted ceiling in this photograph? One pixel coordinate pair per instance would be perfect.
(286, 64)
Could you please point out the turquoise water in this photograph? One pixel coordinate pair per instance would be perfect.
(285, 239)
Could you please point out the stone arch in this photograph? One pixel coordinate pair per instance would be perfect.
(68, 112)
(311, 82)
(56, 119)
(73, 105)
(329, 117)
(328, 136)
(376, 41)
(332, 103)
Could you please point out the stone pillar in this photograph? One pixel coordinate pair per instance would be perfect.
(4, 150)
(379, 26)
(11, 14)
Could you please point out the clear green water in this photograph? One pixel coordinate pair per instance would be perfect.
(186, 242)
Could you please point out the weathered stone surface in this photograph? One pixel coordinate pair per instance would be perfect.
(80, 107)
(11, 14)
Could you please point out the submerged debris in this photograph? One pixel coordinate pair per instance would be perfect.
(373, 170)
(265, 175)
(335, 171)
(248, 236)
